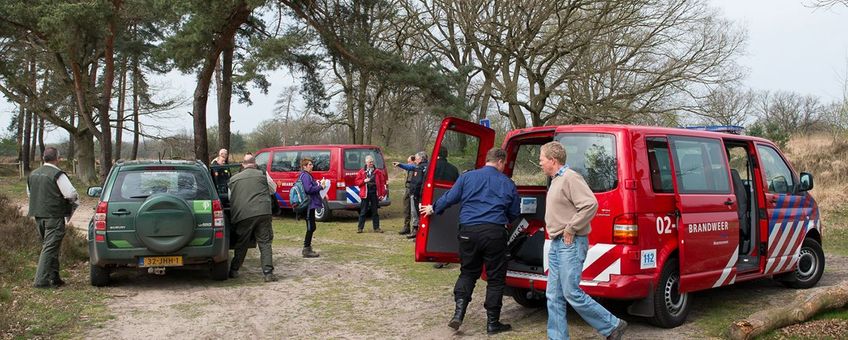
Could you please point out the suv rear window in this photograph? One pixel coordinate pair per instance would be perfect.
(355, 158)
(593, 156)
(136, 185)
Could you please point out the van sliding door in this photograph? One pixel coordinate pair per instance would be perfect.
(708, 226)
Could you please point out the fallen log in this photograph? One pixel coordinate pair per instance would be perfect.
(807, 304)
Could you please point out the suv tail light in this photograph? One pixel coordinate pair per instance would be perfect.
(217, 218)
(100, 222)
(625, 229)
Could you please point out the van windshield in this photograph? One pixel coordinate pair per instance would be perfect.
(354, 159)
(593, 156)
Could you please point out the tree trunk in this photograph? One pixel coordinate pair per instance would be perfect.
(20, 131)
(360, 106)
(72, 141)
(806, 305)
(41, 136)
(201, 97)
(25, 148)
(136, 128)
(106, 96)
(225, 97)
(86, 171)
(349, 99)
(119, 122)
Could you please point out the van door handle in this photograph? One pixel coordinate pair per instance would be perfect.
(121, 212)
(728, 202)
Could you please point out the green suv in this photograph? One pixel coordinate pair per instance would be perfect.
(158, 214)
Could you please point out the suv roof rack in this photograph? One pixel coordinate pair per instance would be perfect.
(731, 129)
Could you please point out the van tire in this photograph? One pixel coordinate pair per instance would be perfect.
(324, 214)
(520, 297)
(99, 276)
(220, 271)
(670, 306)
(809, 269)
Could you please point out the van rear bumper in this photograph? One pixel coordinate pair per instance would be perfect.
(621, 287)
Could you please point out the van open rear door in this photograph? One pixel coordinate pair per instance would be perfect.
(460, 146)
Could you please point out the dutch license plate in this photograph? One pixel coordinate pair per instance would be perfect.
(160, 261)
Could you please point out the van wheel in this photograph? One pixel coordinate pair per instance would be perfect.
(534, 301)
(670, 305)
(220, 270)
(99, 275)
(324, 213)
(810, 266)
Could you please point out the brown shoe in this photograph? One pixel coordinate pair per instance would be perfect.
(308, 253)
(378, 230)
(618, 331)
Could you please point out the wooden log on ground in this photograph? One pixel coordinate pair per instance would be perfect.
(807, 304)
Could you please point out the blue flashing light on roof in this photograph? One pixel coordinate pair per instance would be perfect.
(732, 129)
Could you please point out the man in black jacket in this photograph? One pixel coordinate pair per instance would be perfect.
(415, 186)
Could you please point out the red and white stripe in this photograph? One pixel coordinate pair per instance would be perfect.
(789, 235)
(728, 275)
(601, 262)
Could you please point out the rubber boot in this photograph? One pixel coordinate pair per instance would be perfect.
(458, 314)
(493, 323)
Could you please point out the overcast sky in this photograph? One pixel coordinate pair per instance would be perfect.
(790, 47)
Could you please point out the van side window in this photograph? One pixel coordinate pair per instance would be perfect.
(525, 169)
(320, 159)
(593, 156)
(354, 159)
(700, 165)
(285, 161)
(778, 176)
(456, 155)
(660, 165)
(262, 160)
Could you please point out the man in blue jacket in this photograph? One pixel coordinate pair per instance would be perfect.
(489, 201)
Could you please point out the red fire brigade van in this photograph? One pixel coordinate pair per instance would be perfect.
(335, 164)
(678, 211)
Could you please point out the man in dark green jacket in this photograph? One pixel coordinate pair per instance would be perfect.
(250, 197)
(52, 199)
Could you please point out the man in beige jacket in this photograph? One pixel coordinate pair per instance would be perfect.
(569, 209)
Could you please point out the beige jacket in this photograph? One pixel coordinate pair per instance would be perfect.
(570, 205)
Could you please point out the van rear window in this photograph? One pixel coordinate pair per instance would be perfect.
(138, 185)
(354, 159)
(592, 155)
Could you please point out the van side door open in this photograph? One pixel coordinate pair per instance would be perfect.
(460, 146)
(708, 222)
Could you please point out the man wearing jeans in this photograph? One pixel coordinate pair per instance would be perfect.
(569, 208)
(489, 201)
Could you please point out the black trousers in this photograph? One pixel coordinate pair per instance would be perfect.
(407, 212)
(370, 203)
(310, 228)
(479, 245)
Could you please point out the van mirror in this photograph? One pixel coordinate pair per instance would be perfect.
(94, 191)
(806, 182)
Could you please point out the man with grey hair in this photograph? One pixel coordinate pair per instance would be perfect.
(488, 202)
(372, 189)
(52, 199)
(569, 208)
(250, 198)
(418, 177)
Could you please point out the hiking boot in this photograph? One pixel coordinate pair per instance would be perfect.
(404, 232)
(493, 323)
(57, 283)
(233, 274)
(378, 230)
(270, 277)
(359, 231)
(308, 253)
(618, 331)
(458, 314)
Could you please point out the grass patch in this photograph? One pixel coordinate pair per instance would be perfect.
(30, 312)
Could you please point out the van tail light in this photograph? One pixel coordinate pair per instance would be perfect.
(100, 222)
(217, 217)
(625, 230)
